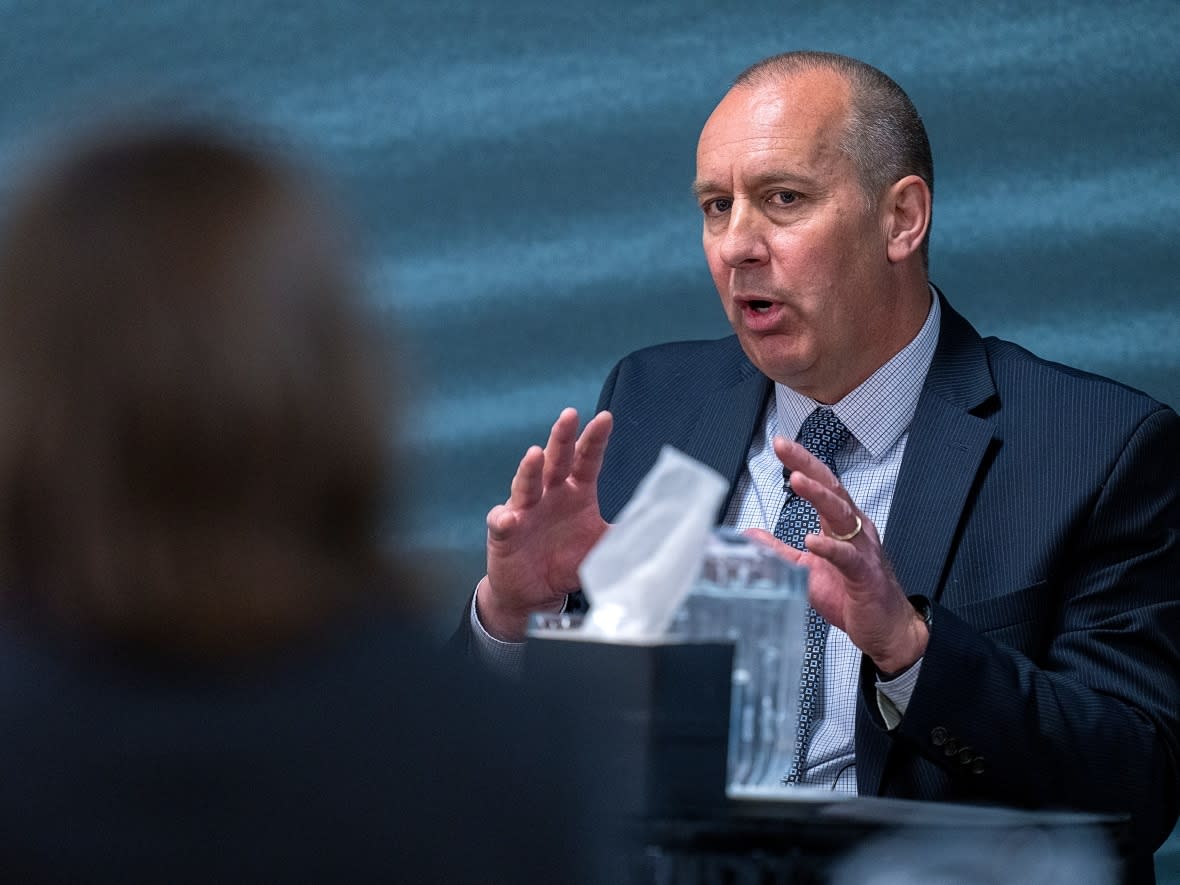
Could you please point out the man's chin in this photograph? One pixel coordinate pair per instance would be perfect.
(776, 363)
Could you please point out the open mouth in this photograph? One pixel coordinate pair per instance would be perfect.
(759, 306)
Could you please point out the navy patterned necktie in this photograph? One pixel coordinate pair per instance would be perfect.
(822, 434)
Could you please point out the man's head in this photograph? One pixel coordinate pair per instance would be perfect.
(814, 176)
(884, 135)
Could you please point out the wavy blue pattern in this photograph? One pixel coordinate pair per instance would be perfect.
(519, 174)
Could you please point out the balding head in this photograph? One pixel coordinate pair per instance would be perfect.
(884, 135)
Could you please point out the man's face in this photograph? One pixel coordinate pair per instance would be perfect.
(796, 251)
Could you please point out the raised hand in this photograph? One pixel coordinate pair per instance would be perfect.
(540, 535)
(850, 583)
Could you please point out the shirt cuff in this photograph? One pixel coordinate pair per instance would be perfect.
(893, 695)
(503, 658)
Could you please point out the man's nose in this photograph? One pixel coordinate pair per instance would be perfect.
(744, 242)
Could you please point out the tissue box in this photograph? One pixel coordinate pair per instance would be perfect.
(654, 717)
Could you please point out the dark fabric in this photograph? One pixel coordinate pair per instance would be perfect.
(1039, 508)
(361, 759)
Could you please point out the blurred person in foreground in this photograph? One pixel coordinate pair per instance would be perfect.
(208, 670)
(994, 539)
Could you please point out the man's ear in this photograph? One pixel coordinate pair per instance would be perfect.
(906, 215)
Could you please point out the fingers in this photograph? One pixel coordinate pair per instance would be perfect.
(591, 448)
(842, 554)
(786, 551)
(837, 513)
(502, 520)
(812, 480)
(568, 455)
(565, 455)
(797, 459)
(527, 485)
(559, 450)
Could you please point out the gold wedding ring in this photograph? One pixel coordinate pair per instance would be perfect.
(852, 534)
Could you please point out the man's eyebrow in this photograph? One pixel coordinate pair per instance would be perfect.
(700, 188)
(757, 181)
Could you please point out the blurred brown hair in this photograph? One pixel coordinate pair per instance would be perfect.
(193, 419)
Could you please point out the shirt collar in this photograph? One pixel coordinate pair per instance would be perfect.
(878, 411)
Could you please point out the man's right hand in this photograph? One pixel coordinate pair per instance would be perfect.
(540, 535)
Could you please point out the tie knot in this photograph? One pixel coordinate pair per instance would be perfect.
(822, 434)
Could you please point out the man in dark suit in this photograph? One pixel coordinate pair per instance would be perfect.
(1014, 636)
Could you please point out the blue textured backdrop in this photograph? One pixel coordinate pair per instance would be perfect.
(519, 172)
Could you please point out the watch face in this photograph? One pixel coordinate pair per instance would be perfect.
(922, 606)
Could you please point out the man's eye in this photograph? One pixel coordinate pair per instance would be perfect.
(784, 198)
(718, 206)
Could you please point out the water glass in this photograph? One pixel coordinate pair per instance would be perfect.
(750, 596)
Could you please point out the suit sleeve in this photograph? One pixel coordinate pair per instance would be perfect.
(1094, 722)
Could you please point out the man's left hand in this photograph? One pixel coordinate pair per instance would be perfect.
(850, 584)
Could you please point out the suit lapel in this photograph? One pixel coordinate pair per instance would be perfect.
(727, 415)
(942, 458)
(947, 446)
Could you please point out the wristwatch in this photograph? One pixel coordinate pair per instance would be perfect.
(923, 607)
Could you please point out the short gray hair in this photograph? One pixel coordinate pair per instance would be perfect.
(884, 136)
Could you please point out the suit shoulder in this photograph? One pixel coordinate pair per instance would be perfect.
(670, 379)
(722, 358)
(1066, 390)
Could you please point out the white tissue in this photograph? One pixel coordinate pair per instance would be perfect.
(641, 569)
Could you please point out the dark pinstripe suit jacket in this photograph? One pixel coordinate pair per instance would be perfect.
(1039, 508)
